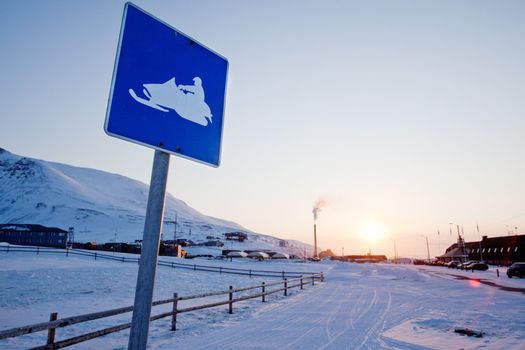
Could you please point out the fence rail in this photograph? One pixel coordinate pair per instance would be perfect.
(55, 323)
(217, 269)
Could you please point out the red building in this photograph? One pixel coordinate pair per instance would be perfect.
(503, 250)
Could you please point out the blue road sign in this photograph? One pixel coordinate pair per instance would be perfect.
(167, 91)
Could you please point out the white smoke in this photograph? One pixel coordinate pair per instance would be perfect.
(318, 207)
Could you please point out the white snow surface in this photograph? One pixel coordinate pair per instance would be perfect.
(103, 207)
(359, 306)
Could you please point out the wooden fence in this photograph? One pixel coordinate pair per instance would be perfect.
(96, 255)
(261, 291)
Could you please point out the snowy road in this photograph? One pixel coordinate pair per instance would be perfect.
(319, 321)
(376, 307)
(329, 316)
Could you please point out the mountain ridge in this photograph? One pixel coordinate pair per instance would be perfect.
(103, 206)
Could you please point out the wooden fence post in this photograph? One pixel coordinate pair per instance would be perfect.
(313, 280)
(51, 331)
(174, 315)
(230, 308)
(67, 252)
(194, 267)
(301, 282)
(95, 255)
(286, 287)
(250, 272)
(283, 275)
(263, 291)
(37, 250)
(220, 270)
(322, 277)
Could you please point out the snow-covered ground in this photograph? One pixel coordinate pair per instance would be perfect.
(359, 306)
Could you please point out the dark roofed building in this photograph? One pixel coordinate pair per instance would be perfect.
(456, 252)
(237, 236)
(31, 234)
(503, 250)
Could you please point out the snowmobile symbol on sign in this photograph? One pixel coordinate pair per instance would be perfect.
(186, 100)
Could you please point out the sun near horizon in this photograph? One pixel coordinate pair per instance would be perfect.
(373, 232)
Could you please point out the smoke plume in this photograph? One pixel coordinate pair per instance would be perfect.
(318, 206)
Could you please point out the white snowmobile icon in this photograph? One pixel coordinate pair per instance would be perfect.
(186, 100)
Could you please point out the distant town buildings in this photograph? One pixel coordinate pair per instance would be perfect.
(368, 258)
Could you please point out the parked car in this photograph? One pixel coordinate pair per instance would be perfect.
(477, 266)
(516, 269)
(466, 263)
(453, 264)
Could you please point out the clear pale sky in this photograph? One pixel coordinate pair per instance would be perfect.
(409, 114)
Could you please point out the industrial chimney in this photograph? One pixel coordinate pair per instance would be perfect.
(315, 240)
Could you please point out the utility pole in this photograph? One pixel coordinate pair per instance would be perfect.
(175, 229)
(439, 244)
(71, 237)
(480, 239)
(428, 250)
(395, 252)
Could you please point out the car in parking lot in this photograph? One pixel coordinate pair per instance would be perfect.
(466, 263)
(453, 264)
(477, 266)
(516, 269)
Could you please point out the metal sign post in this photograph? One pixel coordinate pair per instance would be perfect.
(138, 337)
(167, 93)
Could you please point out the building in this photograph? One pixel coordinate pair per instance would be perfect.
(236, 236)
(171, 248)
(503, 250)
(36, 235)
(456, 252)
(367, 258)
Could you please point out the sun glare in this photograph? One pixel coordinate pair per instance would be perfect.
(373, 232)
(474, 283)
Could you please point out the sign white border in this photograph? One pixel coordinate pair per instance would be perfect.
(110, 99)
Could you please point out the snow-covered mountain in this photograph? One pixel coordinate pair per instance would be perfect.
(103, 207)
